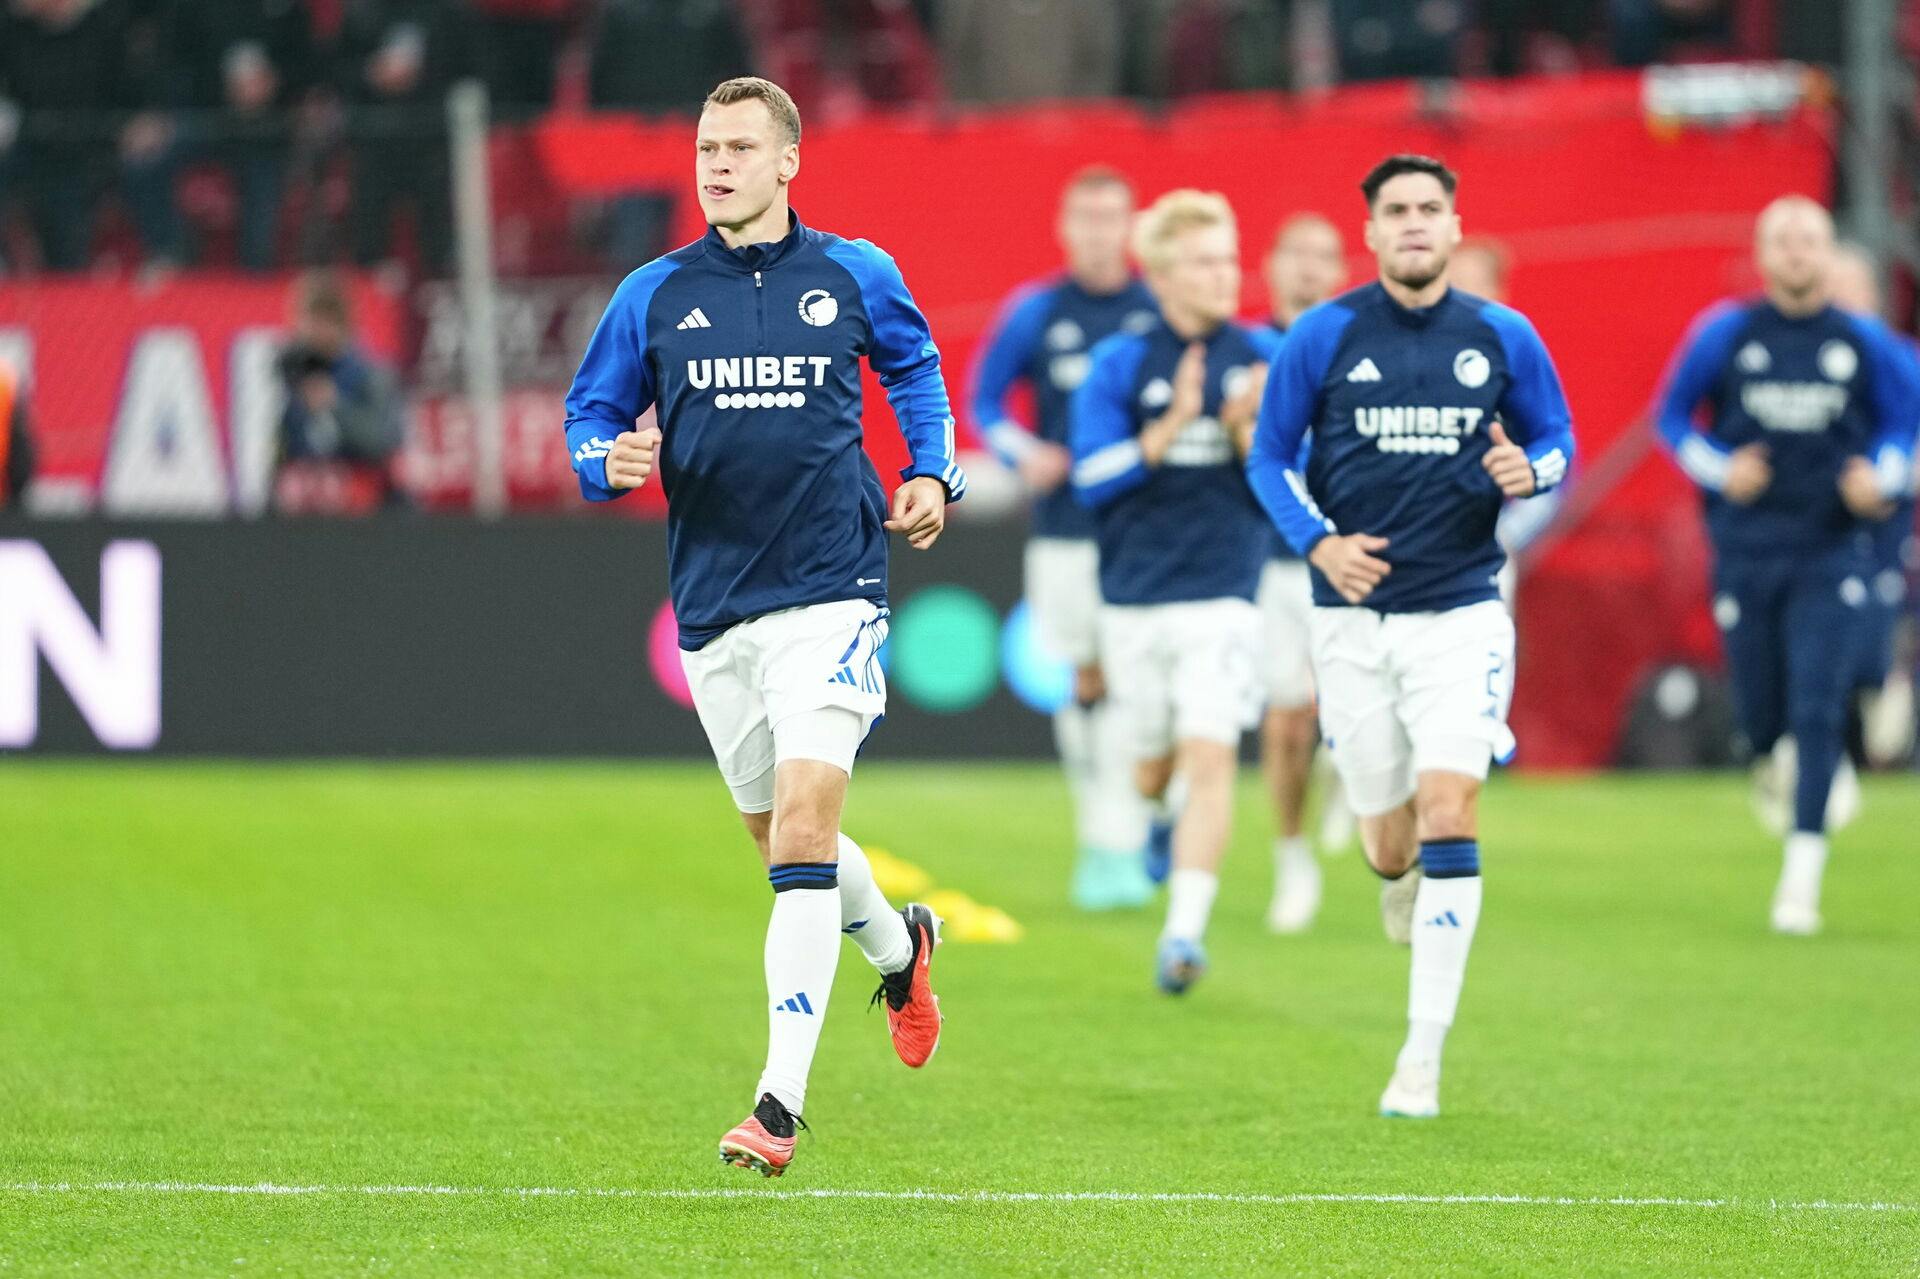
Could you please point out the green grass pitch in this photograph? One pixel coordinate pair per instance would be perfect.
(547, 978)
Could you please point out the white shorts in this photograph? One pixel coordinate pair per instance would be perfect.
(1178, 671)
(754, 684)
(1407, 693)
(1063, 597)
(1286, 654)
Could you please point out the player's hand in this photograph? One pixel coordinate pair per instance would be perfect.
(1045, 466)
(919, 511)
(1189, 385)
(630, 460)
(1350, 565)
(1748, 474)
(1189, 398)
(1507, 463)
(1239, 413)
(1860, 490)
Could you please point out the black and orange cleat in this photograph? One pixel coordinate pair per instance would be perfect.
(913, 1010)
(763, 1141)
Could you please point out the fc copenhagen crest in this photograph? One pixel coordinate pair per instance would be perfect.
(818, 308)
(1472, 368)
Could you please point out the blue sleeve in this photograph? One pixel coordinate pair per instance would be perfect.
(1100, 425)
(1702, 357)
(1276, 467)
(615, 383)
(1534, 404)
(1896, 405)
(900, 348)
(1007, 353)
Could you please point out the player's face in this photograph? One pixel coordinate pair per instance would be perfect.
(1412, 229)
(1202, 275)
(1307, 266)
(1794, 249)
(1093, 228)
(743, 161)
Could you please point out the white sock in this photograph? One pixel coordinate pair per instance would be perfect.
(1292, 858)
(803, 948)
(1803, 866)
(866, 915)
(1113, 817)
(1189, 902)
(1445, 914)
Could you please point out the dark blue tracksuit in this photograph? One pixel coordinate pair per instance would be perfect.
(752, 356)
(1188, 528)
(1789, 573)
(1043, 336)
(1395, 406)
(1891, 553)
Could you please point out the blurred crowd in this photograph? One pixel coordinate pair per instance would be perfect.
(263, 133)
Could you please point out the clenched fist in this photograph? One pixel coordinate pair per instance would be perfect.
(630, 460)
(1507, 463)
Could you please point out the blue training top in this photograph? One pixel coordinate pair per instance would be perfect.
(1042, 336)
(1189, 528)
(752, 357)
(1395, 405)
(1815, 390)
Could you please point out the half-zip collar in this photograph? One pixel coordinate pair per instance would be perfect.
(749, 258)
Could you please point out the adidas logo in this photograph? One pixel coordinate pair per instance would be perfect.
(696, 319)
(795, 1004)
(1445, 920)
(1365, 371)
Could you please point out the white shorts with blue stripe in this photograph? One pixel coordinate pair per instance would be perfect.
(803, 683)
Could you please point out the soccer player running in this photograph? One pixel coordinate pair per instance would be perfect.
(1809, 427)
(1306, 266)
(1399, 384)
(747, 342)
(1159, 431)
(1041, 338)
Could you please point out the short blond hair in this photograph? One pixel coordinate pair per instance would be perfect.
(746, 88)
(1173, 214)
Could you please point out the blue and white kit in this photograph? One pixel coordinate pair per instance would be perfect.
(1393, 406)
(1181, 543)
(751, 359)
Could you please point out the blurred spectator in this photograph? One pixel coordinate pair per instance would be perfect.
(1537, 35)
(1389, 39)
(397, 60)
(657, 56)
(76, 85)
(517, 50)
(1019, 50)
(1646, 31)
(341, 428)
(239, 67)
(1212, 46)
(838, 55)
(16, 441)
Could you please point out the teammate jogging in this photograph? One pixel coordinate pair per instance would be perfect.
(748, 344)
(1399, 383)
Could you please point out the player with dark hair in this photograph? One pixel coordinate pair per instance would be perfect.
(748, 344)
(1406, 391)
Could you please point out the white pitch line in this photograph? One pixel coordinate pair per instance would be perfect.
(267, 1188)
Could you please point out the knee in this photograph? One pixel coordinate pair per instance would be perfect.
(1300, 730)
(1150, 776)
(1389, 847)
(1447, 813)
(806, 835)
